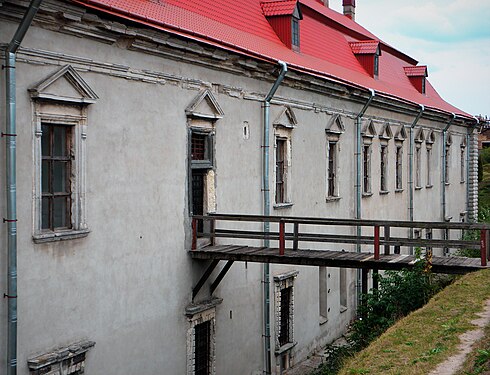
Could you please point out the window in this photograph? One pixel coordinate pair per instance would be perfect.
(332, 169)
(418, 166)
(202, 348)
(462, 162)
(60, 132)
(343, 289)
(295, 32)
(283, 130)
(399, 168)
(423, 85)
(281, 170)
(428, 236)
(56, 157)
(285, 316)
(383, 168)
(376, 64)
(447, 156)
(366, 169)
(428, 146)
(324, 291)
(284, 307)
(201, 342)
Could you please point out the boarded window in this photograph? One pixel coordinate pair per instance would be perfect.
(56, 177)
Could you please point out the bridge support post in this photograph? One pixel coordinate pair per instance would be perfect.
(483, 247)
(282, 240)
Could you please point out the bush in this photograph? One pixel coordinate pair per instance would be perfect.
(399, 293)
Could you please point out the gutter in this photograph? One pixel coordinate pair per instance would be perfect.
(358, 189)
(11, 183)
(267, 212)
(410, 171)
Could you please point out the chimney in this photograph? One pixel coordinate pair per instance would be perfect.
(349, 9)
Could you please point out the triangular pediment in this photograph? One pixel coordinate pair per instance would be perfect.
(205, 106)
(286, 118)
(401, 134)
(64, 85)
(420, 136)
(386, 132)
(368, 129)
(335, 125)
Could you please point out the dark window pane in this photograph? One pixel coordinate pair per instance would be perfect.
(45, 140)
(202, 348)
(45, 176)
(45, 224)
(59, 141)
(198, 147)
(60, 177)
(61, 216)
(285, 316)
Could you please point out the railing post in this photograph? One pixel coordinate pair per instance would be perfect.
(376, 242)
(282, 241)
(194, 234)
(387, 238)
(296, 235)
(212, 230)
(483, 247)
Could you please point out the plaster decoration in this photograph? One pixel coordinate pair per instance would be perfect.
(335, 125)
(368, 129)
(205, 106)
(286, 119)
(386, 132)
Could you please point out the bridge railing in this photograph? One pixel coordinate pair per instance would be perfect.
(292, 229)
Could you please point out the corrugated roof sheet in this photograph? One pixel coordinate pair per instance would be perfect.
(278, 7)
(416, 71)
(364, 47)
(241, 26)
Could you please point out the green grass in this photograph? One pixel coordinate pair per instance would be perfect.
(419, 342)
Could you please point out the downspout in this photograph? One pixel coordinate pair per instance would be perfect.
(358, 185)
(11, 184)
(410, 171)
(267, 212)
(444, 177)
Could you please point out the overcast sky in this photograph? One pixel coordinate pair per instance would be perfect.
(451, 37)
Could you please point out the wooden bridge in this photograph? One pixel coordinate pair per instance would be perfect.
(291, 236)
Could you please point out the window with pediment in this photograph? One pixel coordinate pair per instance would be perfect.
(333, 130)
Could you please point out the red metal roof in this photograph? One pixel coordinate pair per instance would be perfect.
(368, 47)
(416, 71)
(278, 7)
(240, 26)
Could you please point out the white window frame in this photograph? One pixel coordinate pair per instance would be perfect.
(281, 282)
(428, 147)
(399, 167)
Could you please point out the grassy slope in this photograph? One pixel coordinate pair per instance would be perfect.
(419, 342)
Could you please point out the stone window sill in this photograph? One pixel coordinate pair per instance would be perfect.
(285, 348)
(365, 195)
(384, 192)
(323, 320)
(68, 234)
(447, 183)
(281, 206)
(418, 187)
(429, 186)
(343, 308)
(398, 190)
(333, 199)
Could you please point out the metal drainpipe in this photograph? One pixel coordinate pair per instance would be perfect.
(410, 171)
(358, 185)
(11, 184)
(444, 177)
(267, 211)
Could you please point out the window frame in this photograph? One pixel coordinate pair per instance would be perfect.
(332, 164)
(399, 168)
(366, 169)
(383, 168)
(418, 166)
(295, 40)
(282, 282)
(76, 118)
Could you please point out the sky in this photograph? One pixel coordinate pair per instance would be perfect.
(451, 37)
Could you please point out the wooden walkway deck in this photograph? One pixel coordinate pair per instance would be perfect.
(329, 258)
